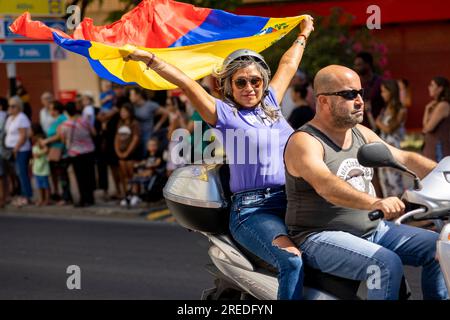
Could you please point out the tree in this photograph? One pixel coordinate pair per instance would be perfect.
(334, 41)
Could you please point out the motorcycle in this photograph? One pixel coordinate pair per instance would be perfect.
(198, 196)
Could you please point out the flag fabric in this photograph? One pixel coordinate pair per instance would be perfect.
(194, 39)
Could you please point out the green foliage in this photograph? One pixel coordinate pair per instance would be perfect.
(117, 14)
(333, 41)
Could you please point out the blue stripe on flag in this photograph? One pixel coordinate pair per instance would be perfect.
(221, 25)
(82, 47)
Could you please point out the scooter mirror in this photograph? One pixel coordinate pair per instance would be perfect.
(377, 154)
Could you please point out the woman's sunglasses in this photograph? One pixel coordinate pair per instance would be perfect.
(346, 94)
(241, 83)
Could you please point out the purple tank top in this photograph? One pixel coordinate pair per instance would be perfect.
(253, 144)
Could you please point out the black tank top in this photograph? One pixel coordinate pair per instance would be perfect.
(309, 213)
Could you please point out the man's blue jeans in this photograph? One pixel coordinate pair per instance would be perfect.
(382, 255)
(256, 219)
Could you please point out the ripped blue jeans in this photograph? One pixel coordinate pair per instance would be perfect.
(256, 219)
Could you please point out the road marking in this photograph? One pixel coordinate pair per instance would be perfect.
(170, 219)
(158, 214)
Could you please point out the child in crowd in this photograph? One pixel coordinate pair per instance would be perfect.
(107, 97)
(41, 166)
(147, 173)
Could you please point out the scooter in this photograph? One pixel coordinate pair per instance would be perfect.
(428, 200)
(198, 196)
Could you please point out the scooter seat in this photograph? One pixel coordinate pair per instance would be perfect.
(339, 287)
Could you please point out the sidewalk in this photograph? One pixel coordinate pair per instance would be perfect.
(155, 211)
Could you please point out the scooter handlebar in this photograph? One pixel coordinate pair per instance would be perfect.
(375, 215)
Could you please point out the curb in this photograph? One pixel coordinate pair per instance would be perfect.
(100, 210)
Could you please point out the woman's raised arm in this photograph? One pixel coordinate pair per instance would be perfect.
(291, 60)
(204, 103)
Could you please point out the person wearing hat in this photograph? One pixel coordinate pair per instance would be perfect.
(249, 109)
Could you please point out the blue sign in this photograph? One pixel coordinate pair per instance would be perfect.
(30, 52)
(56, 24)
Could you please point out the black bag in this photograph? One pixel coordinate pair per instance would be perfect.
(7, 154)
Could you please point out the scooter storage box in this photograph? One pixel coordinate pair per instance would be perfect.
(197, 199)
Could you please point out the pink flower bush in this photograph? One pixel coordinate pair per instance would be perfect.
(387, 74)
(383, 62)
(382, 49)
(357, 47)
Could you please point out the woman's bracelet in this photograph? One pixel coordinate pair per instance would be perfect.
(300, 42)
(150, 62)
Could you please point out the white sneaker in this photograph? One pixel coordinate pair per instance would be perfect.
(135, 200)
(124, 202)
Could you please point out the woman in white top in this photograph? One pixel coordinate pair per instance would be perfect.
(17, 139)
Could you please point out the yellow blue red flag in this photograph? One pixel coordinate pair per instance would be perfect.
(193, 39)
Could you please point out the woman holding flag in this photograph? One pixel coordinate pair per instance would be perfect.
(250, 100)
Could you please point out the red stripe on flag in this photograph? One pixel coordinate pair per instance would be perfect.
(152, 24)
(24, 26)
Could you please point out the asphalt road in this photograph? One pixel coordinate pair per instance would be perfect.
(118, 259)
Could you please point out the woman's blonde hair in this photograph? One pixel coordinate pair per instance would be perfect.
(225, 74)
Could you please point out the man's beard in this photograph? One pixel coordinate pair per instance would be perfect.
(345, 121)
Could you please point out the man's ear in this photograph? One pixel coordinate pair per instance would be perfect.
(322, 100)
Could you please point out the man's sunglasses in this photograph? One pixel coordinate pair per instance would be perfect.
(346, 94)
(241, 83)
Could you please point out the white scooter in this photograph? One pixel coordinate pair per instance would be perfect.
(198, 197)
(429, 199)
